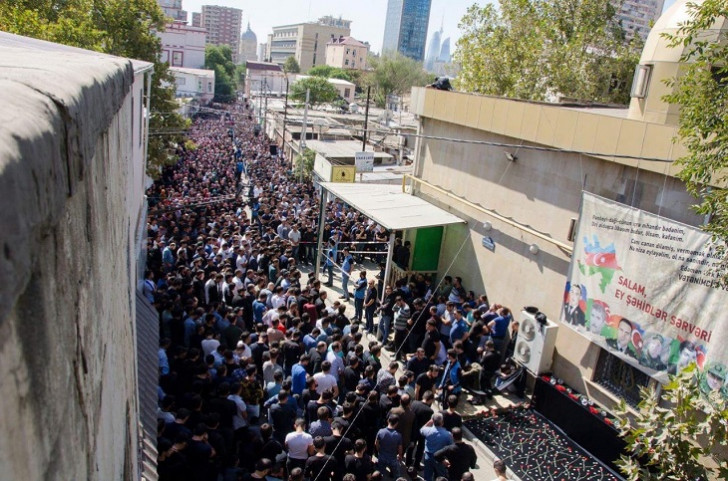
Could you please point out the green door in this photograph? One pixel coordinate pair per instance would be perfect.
(426, 253)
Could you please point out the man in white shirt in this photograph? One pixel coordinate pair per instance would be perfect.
(335, 357)
(325, 380)
(299, 445)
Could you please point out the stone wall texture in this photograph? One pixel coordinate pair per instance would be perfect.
(68, 373)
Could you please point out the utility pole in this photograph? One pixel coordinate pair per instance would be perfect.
(265, 109)
(366, 122)
(285, 116)
(302, 143)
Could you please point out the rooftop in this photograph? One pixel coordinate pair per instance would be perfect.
(264, 66)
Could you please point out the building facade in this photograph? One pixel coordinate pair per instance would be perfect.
(173, 9)
(405, 27)
(223, 25)
(248, 50)
(194, 83)
(183, 45)
(636, 16)
(306, 42)
(434, 51)
(525, 202)
(347, 53)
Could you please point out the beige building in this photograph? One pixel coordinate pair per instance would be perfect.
(306, 42)
(223, 26)
(347, 53)
(248, 49)
(515, 172)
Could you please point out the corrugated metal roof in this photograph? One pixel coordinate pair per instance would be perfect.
(147, 329)
(390, 207)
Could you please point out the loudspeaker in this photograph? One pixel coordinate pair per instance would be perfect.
(535, 343)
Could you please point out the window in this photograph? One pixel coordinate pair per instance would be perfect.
(347, 92)
(641, 81)
(177, 59)
(181, 80)
(353, 53)
(620, 378)
(346, 62)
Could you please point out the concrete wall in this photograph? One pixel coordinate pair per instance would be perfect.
(541, 190)
(67, 272)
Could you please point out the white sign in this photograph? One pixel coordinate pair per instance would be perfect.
(647, 289)
(364, 161)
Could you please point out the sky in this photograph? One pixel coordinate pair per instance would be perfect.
(367, 16)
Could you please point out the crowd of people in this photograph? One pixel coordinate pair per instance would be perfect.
(262, 375)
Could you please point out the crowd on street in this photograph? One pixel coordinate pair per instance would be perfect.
(263, 375)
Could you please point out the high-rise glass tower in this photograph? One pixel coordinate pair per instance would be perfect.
(405, 28)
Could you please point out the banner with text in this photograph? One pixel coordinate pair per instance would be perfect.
(647, 289)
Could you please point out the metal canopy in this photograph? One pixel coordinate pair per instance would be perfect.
(390, 207)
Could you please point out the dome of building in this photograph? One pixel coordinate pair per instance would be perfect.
(660, 61)
(249, 35)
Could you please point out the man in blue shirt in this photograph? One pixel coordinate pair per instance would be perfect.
(436, 438)
(329, 260)
(389, 445)
(459, 329)
(346, 268)
(259, 308)
(298, 374)
(499, 328)
(360, 290)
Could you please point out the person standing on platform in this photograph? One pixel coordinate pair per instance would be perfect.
(346, 268)
(499, 467)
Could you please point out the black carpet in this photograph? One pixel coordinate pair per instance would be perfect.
(535, 449)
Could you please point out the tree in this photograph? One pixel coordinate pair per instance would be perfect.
(117, 27)
(220, 59)
(327, 71)
(291, 66)
(394, 74)
(538, 49)
(321, 91)
(305, 162)
(674, 442)
(701, 90)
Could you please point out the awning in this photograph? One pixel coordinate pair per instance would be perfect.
(390, 207)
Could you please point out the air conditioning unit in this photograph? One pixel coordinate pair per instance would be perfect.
(535, 344)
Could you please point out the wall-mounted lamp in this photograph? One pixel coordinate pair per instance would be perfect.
(533, 249)
(487, 226)
(511, 156)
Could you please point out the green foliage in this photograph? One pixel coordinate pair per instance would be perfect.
(321, 91)
(305, 162)
(240, 75)
(701, 90)
(678, 438)
(220, 59)
(536, 49)
(326, 71)
(394, 74)
(118, 27)
(291, 66)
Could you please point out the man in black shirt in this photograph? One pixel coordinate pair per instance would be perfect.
(282, 415)
(359, 464)
(431, 342)
(321, 466)
(418, 364)
(423, 413)
(337, 445)
(351, 374)
(426, 382)
(459, 457)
